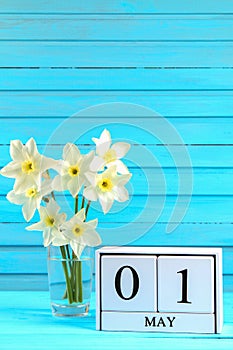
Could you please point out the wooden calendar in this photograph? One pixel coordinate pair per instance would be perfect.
(159, 289)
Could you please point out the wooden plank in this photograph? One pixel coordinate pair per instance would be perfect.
(206, 181)
(186, 234)
(115, 54)
(116, 79)
(66, 103)
(143, 129)
(145, 209)
(33, 260)
(87, 336)
(117, 6)
(23, 282)
(113, 27)
(154, 155)
(227, 287)
(23, 261)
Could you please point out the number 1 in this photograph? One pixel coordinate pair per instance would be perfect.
(184, 299)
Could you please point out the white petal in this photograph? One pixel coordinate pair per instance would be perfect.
(60, 219)
(52, 208)
(110, 172)
(102, 148)
(92, 223)
(121, 148)
(105, 136)
(48, 163)
(121, 194)
(123, 179)
(47, 237)
(17, 150)
(71, 154)
(90, 193)
(92, 238)
(87, 159)
(81, 215)
(31, 147)
(46, 187)
(60, 241)
(57, 184)
(105, 203)
(91, 177)
(12, 170)
(121, 167)
(97, 164)
(38, 226)
(77, 248)
(24, 182)
(16, 198)
(43, 213)
(74, 186)
(29, 209)
(103, 143)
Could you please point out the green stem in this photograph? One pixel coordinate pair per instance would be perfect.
(68, 283)
(87, 208)
(79, 280)
(83, 202)
(76, 205)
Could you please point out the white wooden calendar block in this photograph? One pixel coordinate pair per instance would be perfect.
(186, 284)
(188, 281)
(125, 283)
(158, 322)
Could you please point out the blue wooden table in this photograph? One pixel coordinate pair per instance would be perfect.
(26, 323)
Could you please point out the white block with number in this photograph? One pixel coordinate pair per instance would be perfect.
(129, 283)
(186, 284)
(188, 281)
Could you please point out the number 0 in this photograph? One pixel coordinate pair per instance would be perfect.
(135, 283)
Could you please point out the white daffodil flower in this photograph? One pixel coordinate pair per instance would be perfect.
(31, 198)
(50, 222)
(81, 234)
(108, 155)
(107, 187)
(27, 165)
(72, 170)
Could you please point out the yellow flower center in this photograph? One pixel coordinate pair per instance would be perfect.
(27, 167)
(31, 192)
(73, 170)
(110, 156)
(77, 230)
(49, 221)
(105, 185)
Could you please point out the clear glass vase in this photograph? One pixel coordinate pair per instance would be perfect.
(70, 281)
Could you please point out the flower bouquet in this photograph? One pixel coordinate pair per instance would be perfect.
(100, 176)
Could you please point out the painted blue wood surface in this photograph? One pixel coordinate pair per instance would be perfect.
(73, 54)
(35, 328)
(106, 28)
(23, 104)
(217, 132)
(116, 79)
(117, 6)
(57, 58)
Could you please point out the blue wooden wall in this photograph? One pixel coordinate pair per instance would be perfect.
(175, 57)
